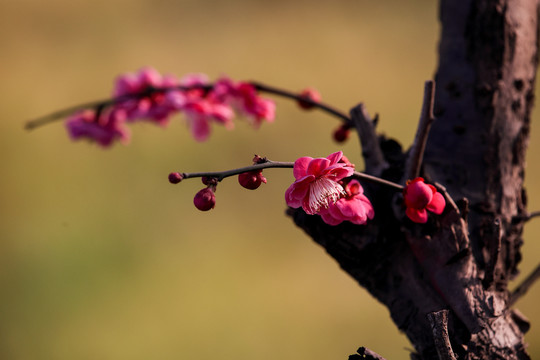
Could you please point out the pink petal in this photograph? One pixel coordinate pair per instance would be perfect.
(200, 127)
(329, 219)
(296, 193)
(437, 204)
(418, 216)
(300, 167)
(338, 171)
(316, 166)
(335, 157)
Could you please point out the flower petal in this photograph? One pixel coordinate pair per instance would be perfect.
(437, 204)
(335, 157)
(316, 166)
(296, 193)
(300, 167)
(417, 216)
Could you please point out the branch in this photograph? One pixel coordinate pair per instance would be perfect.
(371, 151)
(377, 180)
(284, 93)
(416, 154)
(58, 115)
(220, 175)
(439, 327)
(524, 286)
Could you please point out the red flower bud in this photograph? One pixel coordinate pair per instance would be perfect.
(309, 94)
(175, 178)
(420, 197)
(205, 199)
(252, 179)
(342, 133)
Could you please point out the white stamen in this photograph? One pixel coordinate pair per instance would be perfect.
(322, 192)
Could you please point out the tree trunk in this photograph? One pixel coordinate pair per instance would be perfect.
(462, 260)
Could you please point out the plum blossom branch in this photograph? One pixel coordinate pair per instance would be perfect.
(60, 114)
(220, 175)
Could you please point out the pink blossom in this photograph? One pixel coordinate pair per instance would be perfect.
(133, 90)
(316, 184)
(103, 130)
(200, 106)
(420, 197)
(244, 98)
(354, 207)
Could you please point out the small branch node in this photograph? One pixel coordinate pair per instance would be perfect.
(439, 327)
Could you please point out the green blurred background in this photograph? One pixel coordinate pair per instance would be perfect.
(101, 258)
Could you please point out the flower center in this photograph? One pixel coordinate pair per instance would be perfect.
(322, 192)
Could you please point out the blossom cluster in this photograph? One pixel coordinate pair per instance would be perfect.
(320, 188)
(149, 96)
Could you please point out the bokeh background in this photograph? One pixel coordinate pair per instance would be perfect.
(101, 258)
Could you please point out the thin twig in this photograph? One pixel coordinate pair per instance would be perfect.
(524, 286)
(284, 93)
(377, 180)
(371, 151)
(494, 250)
(416, 154)
(220, 175)
(439, 328)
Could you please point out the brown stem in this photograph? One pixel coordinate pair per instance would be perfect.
(416, 154)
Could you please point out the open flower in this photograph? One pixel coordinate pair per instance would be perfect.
(354, 207)
(103, 129)
(420, 197)
(141, 103)
(244, 98)
(200, 106)
(316, 184)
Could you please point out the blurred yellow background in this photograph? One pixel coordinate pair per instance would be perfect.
(101, 258)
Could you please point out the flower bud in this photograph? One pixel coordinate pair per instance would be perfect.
(341, 133)
(309, 94)
(205, 199)
(175, 178)
(252, 179)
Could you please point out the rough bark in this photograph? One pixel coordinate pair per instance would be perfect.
(462, 260)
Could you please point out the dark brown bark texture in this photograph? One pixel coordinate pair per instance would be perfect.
(462, 260)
